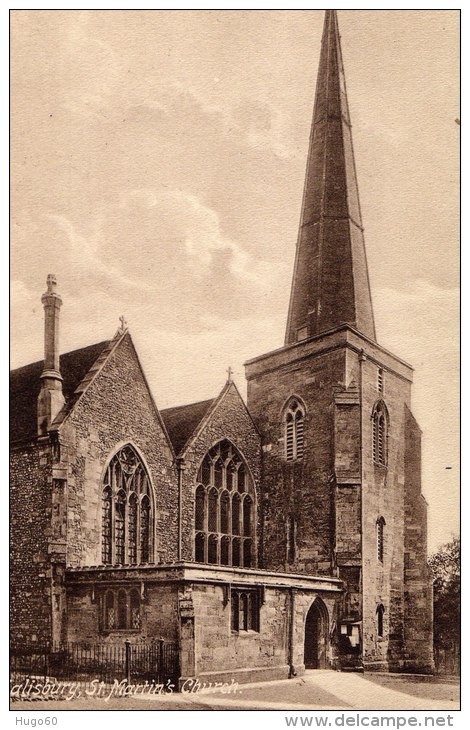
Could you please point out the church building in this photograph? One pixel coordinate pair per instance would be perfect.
(262, 538)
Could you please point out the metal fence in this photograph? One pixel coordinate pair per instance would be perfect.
(155, 662)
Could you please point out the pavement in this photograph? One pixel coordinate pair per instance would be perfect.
(316, 690)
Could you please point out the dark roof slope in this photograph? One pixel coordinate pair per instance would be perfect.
(182, 421)
(25, 384)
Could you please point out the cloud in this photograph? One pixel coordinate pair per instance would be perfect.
(159, 255)
(420, 324)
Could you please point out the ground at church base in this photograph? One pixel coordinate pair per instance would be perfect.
(316, 690)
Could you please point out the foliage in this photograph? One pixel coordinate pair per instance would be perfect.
(445, 569)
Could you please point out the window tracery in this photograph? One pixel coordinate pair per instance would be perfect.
(126, 514)
(224, 509)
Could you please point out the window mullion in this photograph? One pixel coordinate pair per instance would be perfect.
(113, 526)
(138, 528)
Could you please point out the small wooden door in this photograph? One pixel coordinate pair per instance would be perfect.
(315, 638)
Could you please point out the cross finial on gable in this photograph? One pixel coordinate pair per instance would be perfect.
(123, 328)
(229, 374)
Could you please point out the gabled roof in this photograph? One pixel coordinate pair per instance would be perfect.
(182, 421)
(25, 384)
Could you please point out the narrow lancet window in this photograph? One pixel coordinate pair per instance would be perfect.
(294, 430)
(380, 433)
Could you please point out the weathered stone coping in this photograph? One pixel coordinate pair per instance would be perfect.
(197, 573)
(341, 337)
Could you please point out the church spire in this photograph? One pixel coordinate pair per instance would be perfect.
(330, 286)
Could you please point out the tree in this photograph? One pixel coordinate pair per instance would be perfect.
(445, 569)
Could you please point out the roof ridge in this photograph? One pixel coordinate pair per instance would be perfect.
(188, 405)
(63, 354)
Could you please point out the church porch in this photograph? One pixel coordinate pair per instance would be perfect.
(230, 624)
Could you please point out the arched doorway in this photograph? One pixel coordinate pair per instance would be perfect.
(316, 632)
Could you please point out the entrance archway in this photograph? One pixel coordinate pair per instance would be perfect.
(316, 632)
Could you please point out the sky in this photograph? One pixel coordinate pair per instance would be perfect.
(157, 165)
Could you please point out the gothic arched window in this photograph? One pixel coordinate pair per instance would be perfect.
(126, 514)
(294, 430)
(380, 539)
(379, 433)
(224, 509)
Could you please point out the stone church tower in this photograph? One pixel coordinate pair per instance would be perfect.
(341, 493)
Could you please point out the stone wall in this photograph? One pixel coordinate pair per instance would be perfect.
(220, 649)
(300, 488)
(252, 655)
(418, 654)
(30, 531)
(159, 613)
(383, 496)
(116, 409)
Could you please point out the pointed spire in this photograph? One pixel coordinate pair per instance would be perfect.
(330, 286)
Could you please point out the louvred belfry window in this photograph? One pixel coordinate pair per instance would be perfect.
(294, 430)
(380, 433)
(224, 509)
(127, 513)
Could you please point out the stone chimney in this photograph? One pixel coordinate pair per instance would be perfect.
(51, 398)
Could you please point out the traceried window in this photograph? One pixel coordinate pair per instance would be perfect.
(126, 514)
(380, 539)
(120, 610)
(224, 509)
(245, 605)
(380, 433)
(294, 430)
(380, 620)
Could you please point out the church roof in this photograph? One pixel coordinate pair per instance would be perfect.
(330, 285)
(182, 421)
(25, 383)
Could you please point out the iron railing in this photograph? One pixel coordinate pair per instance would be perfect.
(155, 662)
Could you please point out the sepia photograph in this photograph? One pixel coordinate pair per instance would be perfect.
(235, 361)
